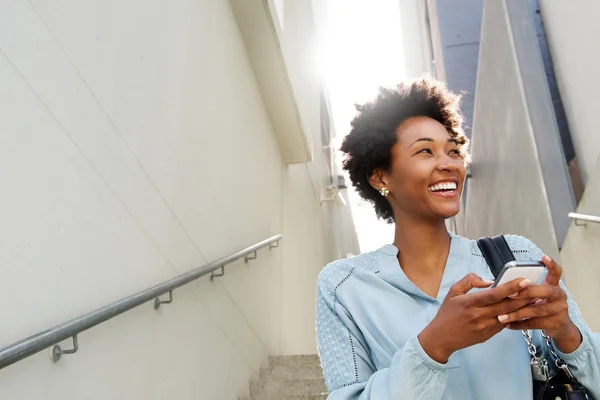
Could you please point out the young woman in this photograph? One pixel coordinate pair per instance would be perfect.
(416, 319)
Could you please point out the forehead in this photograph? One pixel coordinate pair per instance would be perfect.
(419, 127)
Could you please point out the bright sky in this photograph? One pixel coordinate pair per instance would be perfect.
(362, 50)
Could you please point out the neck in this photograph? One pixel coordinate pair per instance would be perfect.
(423, 247)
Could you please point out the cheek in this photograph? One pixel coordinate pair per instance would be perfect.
(412, 178)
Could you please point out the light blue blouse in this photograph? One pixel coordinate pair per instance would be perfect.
(369, 315)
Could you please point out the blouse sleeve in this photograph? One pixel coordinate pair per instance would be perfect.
(348, 369)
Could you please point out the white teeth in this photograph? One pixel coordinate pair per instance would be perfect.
(443, 186)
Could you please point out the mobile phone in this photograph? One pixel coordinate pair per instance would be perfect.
(532, 270)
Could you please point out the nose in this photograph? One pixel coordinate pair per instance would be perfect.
(447, 163)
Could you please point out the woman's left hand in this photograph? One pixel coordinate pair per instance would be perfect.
(548, 310)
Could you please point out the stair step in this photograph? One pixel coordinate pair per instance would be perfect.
(290, 361)
(287, 387)
(292, 372)
(297, 377)
(293, 397)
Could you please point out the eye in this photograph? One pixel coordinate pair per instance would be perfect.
(425, 150)
(455, 151)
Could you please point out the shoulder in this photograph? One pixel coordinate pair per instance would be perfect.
(337, 272)
(520, 246)
(517, 242)
(524, 247)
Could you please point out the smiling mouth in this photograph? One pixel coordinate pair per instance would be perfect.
(445, 189)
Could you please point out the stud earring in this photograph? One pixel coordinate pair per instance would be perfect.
(384, 191)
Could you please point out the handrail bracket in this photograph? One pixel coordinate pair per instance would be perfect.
(216, 275)
(56, 351)
(158, 302)
(251, 256)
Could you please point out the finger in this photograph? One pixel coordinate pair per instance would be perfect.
(529, 312)
(537, 301)
(537, 291)
(554, 271)
(467, 283)
(532, 323)
(506, 306)
(499, 293)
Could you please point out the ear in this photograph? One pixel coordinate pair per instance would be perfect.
(378, 179)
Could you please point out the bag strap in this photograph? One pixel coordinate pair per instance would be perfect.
(496, 252)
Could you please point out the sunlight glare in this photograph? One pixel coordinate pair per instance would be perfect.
(361, 51)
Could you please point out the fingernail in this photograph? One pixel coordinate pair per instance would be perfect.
(502, 317)
(487, 281)
(546, 258)
(512, 296)
(524, 283)
(539, 301)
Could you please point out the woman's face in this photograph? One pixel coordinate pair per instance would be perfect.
(427, 173)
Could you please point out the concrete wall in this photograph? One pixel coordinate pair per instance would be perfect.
(573, 32)
(580, 253)
(134, 146)
(520, 183)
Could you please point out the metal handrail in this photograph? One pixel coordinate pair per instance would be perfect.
(50, 337)
(584, 217)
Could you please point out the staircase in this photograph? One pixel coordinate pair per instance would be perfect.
(290, 377)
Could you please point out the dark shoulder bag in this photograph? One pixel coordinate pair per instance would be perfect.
(561, 385)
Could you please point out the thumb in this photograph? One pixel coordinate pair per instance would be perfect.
(554, 271)
(467, 283)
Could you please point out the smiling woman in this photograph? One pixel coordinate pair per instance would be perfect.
(404, 321)
(422, 117)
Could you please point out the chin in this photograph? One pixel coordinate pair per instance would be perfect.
(451, 215)
(448, 212)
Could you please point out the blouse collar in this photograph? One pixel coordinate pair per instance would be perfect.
(456, 267)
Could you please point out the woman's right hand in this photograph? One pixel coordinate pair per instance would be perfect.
(465, 319)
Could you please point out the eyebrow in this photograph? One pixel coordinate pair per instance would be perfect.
(426, 139)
